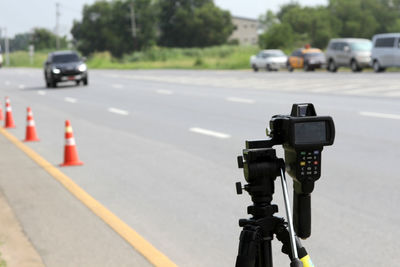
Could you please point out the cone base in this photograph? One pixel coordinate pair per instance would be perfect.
(12, 126)
(32, 140)
(76, 163)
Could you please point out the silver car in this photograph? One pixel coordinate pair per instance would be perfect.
(270, 59)
(386, 51)
(348, 52)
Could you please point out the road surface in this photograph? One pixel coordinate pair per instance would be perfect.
(160, 150)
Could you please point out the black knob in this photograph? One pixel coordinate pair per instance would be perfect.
(239, 190)
(240, 162)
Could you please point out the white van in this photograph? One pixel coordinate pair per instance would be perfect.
(385, 51)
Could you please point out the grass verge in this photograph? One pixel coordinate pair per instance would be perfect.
(218, 57)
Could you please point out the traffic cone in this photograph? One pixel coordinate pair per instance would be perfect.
(30, 128)
(9, 123)
(1, 114)
(70, 152)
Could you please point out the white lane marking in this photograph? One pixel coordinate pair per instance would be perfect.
(41, 92)
(164, 92)
(70, 100)
(118, 111)
(240, 100)
(21, 86)
(380, 115)
(117, 86)
(209, 133)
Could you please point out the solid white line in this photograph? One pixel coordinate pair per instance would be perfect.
(380, 115)
(164, 92)
(70, 100)
(118, 111)
(240, 100)
(41, 92)
(117, 86)
(209, 133)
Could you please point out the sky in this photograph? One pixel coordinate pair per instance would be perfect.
(20, 16)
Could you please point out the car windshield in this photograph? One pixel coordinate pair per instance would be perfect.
(361, 46)
(276, 54)
(314, 55)
(65, 58)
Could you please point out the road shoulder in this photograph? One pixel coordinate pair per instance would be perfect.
(62, 230)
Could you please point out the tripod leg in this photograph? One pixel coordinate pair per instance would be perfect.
(282, 235)
(248, 247)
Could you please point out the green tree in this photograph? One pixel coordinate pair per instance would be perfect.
(44, 39)
(106, 26)
(20, 41)
(279, 35)
(193, 23)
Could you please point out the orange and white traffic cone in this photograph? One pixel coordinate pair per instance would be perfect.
(70, 152)
(1, 114)
(30, 128)
(9, 122)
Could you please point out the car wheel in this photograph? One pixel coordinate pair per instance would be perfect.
(354, 66)
(289, 67)
(85, 81)
(377, 67)
(254, 68)
(332, 66)
(77, 82)
(268, 67)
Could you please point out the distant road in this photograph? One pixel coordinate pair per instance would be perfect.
(160, 152)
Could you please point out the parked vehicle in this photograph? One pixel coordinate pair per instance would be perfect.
(270, 59)
(63, 66)
(307, 58)
(348, 52)
(385, 51)
(1, 58)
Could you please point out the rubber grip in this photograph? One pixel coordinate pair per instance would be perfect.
(302, 214)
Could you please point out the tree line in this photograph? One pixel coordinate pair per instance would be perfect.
(294, 25)
(125, 26)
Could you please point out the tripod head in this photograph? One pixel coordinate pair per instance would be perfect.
(303, 135)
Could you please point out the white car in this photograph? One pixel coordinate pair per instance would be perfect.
(270, 59)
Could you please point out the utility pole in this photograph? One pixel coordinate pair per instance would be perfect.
(133, 24)
(57, 25)
(6, 45)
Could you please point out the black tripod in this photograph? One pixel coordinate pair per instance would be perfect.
(261, 168)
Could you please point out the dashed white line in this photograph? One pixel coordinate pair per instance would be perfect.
(70, 100)
(21, 86)
(380, 115)
(118, 111)
(240, 100)
(164, 92)
(209, 133)
(117, 86)
(41, 92)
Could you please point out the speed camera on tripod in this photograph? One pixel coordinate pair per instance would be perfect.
(303, 135)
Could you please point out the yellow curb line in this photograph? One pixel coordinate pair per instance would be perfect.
(154, 256)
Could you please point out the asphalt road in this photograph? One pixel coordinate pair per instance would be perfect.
(160, 150)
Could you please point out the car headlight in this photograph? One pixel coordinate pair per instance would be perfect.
(82, 67)
(56, 71)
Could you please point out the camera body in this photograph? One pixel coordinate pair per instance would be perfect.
(303, 135)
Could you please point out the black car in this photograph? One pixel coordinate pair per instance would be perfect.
(63, 66)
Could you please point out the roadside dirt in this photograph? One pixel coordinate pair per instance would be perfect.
(15, 248)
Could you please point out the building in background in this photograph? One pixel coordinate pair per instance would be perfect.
(246, 31)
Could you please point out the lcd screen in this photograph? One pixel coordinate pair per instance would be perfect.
(310, 132)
